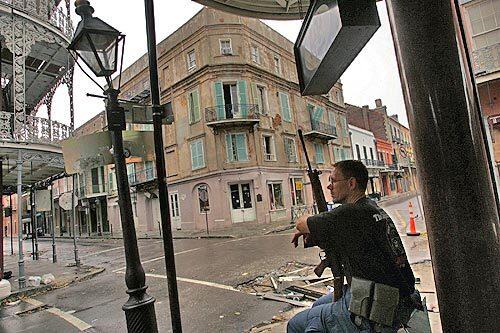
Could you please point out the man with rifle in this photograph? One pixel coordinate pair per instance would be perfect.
(361, 239)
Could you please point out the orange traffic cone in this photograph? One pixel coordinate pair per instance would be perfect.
(413, 229)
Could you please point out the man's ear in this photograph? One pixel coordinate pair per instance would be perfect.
(353, 184)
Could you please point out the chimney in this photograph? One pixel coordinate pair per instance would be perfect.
(395, 117)
(366, 122)
(378, 103)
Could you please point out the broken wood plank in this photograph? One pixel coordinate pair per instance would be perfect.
(284, 300)
(273, 281)
(302, 278)
(318, 282)
(311, 294)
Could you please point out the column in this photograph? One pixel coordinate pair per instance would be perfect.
(459, 204)
(19, 164)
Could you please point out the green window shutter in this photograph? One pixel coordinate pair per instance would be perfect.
(219, 101)
(229, 147)
(196, 106)
(285, 107)
(331, 118)
(318, 114)
(288, 149)
(241, 147)
(194, 161)
(242, 96)
(319, 153)
(342, 154)
(255, 95)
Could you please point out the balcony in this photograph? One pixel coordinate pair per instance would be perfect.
(230, 115)
(373, 163)
(322, 131)
(142, 176)
(397, 140)
(393, 167)
(48, 11)
(486, 60)
(32, 130)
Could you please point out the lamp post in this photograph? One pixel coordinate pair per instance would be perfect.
(97, 44)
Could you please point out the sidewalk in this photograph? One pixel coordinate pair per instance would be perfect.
(426, 287)
(239, 230)
(64, 274)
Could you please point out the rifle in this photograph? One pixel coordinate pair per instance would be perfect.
(331, 260)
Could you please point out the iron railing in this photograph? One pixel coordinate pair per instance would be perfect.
(393, 166)
(142, 176)
(33, 129)
(370, 162)
(231, 111)
(48, 11)
(323, 127)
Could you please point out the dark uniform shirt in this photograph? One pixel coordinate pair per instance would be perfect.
(367, 242)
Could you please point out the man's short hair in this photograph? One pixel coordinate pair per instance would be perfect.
(355, 169)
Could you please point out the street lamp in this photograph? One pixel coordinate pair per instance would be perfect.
(97, 44)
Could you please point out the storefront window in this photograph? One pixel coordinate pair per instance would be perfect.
(276, 196)
(296, 189)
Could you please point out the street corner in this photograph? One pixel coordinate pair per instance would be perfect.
(39, 284)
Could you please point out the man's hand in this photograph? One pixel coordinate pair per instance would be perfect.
(296, 237)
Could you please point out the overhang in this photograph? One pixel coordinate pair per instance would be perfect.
(262, 9)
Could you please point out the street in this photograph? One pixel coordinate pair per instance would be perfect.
(208, 270)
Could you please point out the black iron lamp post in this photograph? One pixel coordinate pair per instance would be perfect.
(98, 44)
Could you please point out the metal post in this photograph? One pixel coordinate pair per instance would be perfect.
(11, 226)
(19, 163)
(53, 223)
(166, 223)
(459, 202)
(73, 212)
(139, 309)
(34, 224)
(206, 220)
(31, 225)
(1, 211)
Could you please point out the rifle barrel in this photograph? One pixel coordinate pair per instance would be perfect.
(305, 150)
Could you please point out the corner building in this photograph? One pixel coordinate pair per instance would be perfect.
(233, 148)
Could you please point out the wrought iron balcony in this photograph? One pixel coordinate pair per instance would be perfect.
(393, 166)
(373, 163)
(486, 60)
(46, 10)
(321, 130)
(232, 114)
(33, 129)
(142, 176)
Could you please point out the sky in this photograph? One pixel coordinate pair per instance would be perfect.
(372, 75)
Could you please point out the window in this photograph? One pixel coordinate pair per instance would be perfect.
(358, 154)
(255, 54)
(371, 153)
(97, 176)
(277, 65)
(336, 154)
(131, 172)
(236, 147)
(485, 23)
(318, 148)
(331, 120)
(112, 181)
(194, 106)
(296, 189)
(269, 149)
(344, 127)
(285, 107)
(197, 154)
(275, 196)
(225, 46)
(290, 150)
(260, 98)
(191, 59)
(203, 198)
(364, 152)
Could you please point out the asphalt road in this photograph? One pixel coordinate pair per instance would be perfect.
(208, 271)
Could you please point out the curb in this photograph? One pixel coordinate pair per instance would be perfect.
(36, 290)
(99, 239)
